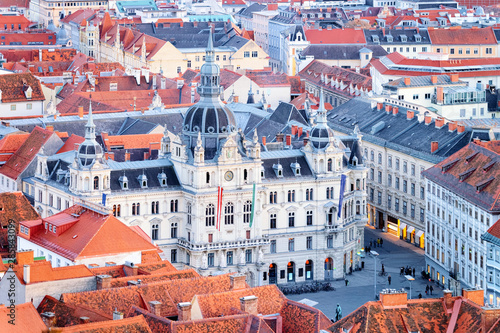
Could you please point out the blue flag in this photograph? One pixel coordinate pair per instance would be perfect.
(104, 199)
(341, 196)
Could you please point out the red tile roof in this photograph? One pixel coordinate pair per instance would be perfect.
(67, 314)
(71, 143)
(91, 235)
(266, 78)
(23, 157)
(473, 173)
(131, 141)
(78, 16)
(335, 36)
(13, 87)
(10, 143)
(296, 85)
(459, 36)
(300, 101)
(26, 319)
(130, 325)
(156, 277)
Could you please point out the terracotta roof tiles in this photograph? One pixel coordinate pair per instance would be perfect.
(130, 325)
(156, 277)
(14, 86)
(71, 143)
(457, 36)
(26, 319)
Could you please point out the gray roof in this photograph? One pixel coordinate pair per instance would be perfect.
(497, 34)
(422, 81)
(396, 34)
(248, 12)
(396, 132)
(194, 34)
(343, 52)
(270, 174)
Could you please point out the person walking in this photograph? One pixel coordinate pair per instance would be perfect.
(381, 242)
(383, 269)
(346, 282)
(389, 279)
(427, 289)
(378, 242)
(420, 295)
(402, 271)
(338, 313)
(431, 289)
(413, 271)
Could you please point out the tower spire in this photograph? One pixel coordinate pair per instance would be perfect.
(321, 115)
(90, 127)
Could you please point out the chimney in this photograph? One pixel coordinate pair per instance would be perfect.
(388, 108)
(452, 126)
(407, 81)
(50, 128)
(117, 315)
(27, 274)
(439, 122)
(236, 99)
(299, 132)
(288, 140)
(393, 299)
(447, 299)
(294, 130)
(263, 140)
(454, 77)
(49, 319)
(428, 120)
(460, 128)
(103, 281)
(237, 281)
(379, 106)
(130, 270)
(155, 307)
(410, 114)
(434, 79)
(439, 94)
(127, 158)
(143, 110)
(475, 295)
(80, 112)
(84, 320)
(184, 311)
(434, 146)
(395, 110)
(249, 304)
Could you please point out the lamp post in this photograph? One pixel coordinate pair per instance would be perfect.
(375, 255)
(410, 278)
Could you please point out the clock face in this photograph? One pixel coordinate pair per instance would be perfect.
(228, 176)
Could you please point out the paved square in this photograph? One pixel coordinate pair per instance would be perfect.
(394, 254)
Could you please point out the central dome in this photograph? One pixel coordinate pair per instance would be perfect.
(209, 119)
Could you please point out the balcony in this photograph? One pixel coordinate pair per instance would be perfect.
(333, 228)
(225, 245)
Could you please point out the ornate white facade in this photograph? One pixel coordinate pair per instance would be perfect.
(297, 233)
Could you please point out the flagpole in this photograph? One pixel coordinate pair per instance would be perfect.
(253, 205)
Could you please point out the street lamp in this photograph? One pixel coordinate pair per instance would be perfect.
(375, 255)
(410, 278)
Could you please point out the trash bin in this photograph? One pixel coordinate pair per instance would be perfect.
(362, 265)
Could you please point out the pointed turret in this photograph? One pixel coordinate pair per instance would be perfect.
(90, 126)
(90, 151)
(321, 134)
(250, 99)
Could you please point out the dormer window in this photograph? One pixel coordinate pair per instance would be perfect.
(123, 182)
(404, 38)
(390, 38)
(375, 39)
(60, 175)
(27, 91)
(278, 169)
(54, 229)
(162, 179)
(295, 168)
(143, 180)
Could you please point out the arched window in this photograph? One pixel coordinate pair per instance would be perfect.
(116, 210)
(229, 213)
(291, 195)
(208, 177)
(379, 158)
(330, 165)
(372, 156)
(154, 231)
(174, 206)
(247, 211)
(245, 174)
(330, 216)
(358, 208)
(173, 230)
(358, 186)
(273, 196)
(155, 207)
(210, 215)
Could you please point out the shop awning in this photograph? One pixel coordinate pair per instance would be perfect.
(402, 226)
(410, 230)
(419, 234)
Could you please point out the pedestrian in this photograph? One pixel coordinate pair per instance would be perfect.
(402, 271)
(346, 282)
(413, 271)
(431, 289)
(370, 243)
(427, 289)
(420, 295)
(338, 313)
(378, 242)
(381, 241)
(389, 279)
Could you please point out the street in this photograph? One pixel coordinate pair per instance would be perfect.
(393, 254)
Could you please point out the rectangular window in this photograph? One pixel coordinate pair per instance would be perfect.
(189, 64)
(379, 197)
(210, 238)
(272, 221)
(389, 180)
(405, 186)
(12, 107)
(229, 258)
(291, 219)
(412, 211)
(389, 202)
(309, 242)
(428, 96)
(211, 261)
(329, 241)
(404, 207)
(309, 217)
(248, 256)
(273, 246)
(396, 205)
(396, 185)
(255, 54)
(379, 177)
(246, 54)
(422, 215)
(173, 255)
(291, 244)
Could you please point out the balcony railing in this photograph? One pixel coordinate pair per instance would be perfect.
(224, 245)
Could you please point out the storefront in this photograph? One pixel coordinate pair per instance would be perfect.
(402, 230)
(410, 234)
(392, 225)
(419, 239)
